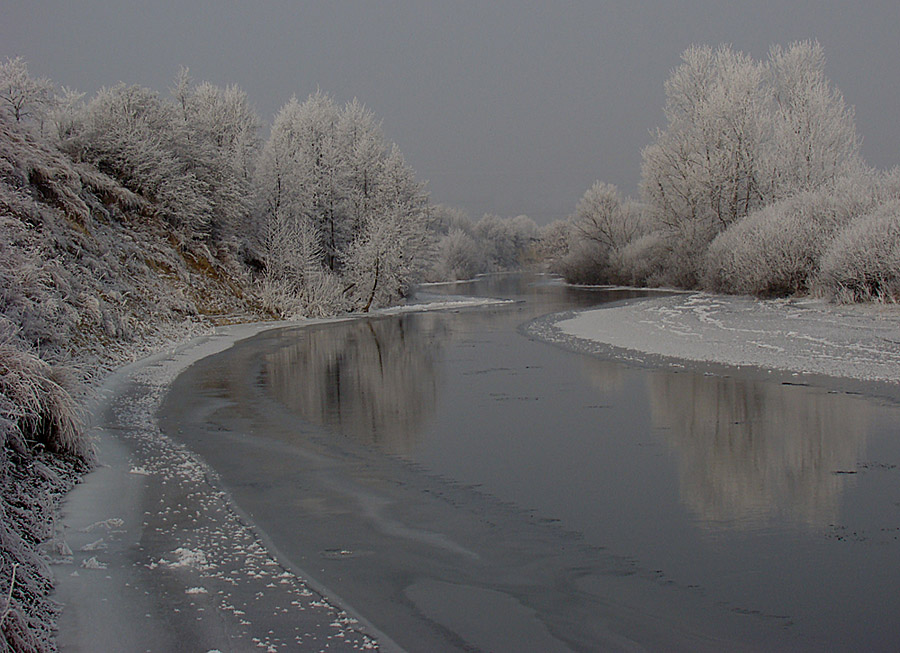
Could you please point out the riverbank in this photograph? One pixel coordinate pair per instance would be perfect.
(859, 344)
(189, 570)
(156, 556)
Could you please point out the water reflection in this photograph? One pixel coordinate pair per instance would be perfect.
(373, 380)
(604, 376)
(751, 453)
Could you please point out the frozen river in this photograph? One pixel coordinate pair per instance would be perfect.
(462, 485)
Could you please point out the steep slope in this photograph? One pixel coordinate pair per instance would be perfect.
(91, 275)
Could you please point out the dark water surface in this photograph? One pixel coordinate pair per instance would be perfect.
(464, 486)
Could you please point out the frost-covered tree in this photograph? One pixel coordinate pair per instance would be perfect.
(191, 159)
(68, 109)
(129, 133)
(393, 245)
(554, 242)
(604, 217)
(813, 135)
(220, 118)
(330, 168)
(496, 236)
(459, 257)
(217, 140)
(361, 147)
(703, 173)
(740, 135)
(445, 218)
(299, 171)
(586, 248)
(21, 95)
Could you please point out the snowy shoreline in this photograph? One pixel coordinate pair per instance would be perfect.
(856, 343)
(125, 534)
(123, 526)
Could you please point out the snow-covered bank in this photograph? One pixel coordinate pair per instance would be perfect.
(152, 527)
(859, 342)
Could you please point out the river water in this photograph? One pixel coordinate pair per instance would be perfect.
(463, 486)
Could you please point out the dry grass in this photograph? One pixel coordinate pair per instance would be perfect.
(45, 412)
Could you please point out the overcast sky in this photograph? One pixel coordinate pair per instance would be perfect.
(507, 106)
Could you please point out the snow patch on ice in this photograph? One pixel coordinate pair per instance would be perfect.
(800, 336)
(93, 563)
(443, 305)
(187, 558)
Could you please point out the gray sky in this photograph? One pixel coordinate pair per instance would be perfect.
(509, 106)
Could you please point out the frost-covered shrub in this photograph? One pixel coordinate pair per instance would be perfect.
(35, 400)
(863, 261)
(645, 261)
(319, 295)
(886, 185)
(587, 262)
(459, 257)
(35, 409)
(776, 250)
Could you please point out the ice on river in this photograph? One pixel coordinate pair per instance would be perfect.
(803, 336)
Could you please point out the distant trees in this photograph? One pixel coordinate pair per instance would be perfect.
(466, 249)
(755, 175)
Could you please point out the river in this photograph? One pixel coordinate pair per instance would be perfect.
(464, 486)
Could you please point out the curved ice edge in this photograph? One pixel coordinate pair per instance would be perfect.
(859, 344)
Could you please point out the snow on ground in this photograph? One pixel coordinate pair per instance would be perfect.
(157, 555)
(805, 336)
(161, 558)
(428, 302)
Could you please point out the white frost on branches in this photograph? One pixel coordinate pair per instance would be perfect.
(338, 204)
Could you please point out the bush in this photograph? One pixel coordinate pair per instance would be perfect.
(459, 257)
(863, 262)
(776, 250)
(645, 261)
(587, 262)
(319, 294)
(34, 403)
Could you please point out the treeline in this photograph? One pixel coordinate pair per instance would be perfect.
(466, 248)
(755, 186)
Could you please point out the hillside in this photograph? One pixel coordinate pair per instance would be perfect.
(91, 276)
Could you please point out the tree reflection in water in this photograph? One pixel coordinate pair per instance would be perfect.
(373, 379)
(751, 453)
